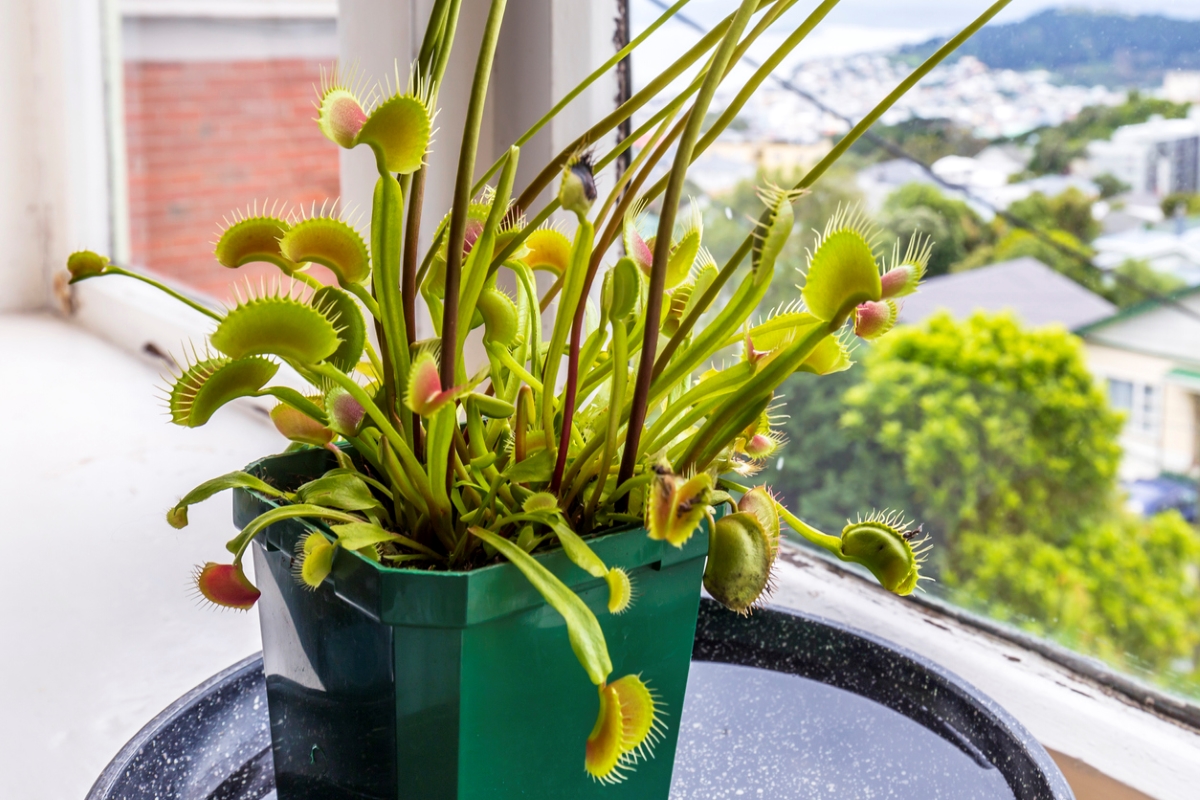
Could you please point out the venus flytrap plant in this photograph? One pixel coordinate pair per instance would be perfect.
(441, 470)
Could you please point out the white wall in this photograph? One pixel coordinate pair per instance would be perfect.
(53, 162)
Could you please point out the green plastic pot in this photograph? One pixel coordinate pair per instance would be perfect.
(412, 685)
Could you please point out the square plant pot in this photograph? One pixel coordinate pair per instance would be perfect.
(405, 684)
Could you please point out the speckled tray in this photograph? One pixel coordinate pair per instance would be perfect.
(779, 705)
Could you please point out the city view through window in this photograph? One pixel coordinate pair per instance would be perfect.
(1038, 407)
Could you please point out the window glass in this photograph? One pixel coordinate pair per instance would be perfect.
(1120, 394)
(1035, 407)
(218, 119)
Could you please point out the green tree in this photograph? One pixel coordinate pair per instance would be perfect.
(1110, 185)
(997, 437)
(1126, 589)
(996, 427)
(925, 139)
(1055, 148)
(1070, 211)
(918, 208)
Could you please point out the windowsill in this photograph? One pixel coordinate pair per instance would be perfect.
(1108, 745)
(102, 631)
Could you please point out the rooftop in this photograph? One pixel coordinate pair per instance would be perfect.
(1038, 294)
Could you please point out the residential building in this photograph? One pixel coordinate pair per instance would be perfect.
(1182, 86)
(1160, 156)
(1172, 252)
(1148, 357)
(1026, 286)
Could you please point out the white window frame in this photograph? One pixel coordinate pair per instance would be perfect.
(1101, 735)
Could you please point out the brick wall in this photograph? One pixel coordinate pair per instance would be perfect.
(207, 137)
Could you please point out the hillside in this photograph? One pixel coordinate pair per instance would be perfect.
(1088, 47)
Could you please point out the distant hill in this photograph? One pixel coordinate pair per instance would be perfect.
(1087, 47)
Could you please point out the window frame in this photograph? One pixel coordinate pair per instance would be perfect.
(1040, 683)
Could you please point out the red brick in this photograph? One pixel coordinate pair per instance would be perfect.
(205, 138)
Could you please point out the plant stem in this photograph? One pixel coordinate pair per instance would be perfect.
(833, 544)
(666, 226)
(580, 87)
(688, 322)
(113, 269)
(625, 110)
(462, 190)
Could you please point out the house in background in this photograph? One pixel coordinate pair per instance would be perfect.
(1038, 295)
(1148, 356)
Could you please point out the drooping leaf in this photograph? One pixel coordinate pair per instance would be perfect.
(740, 555)
(211, 383)
(338, 488)
(587, 640)
(360, 535)
(177, 516)
(226, 585)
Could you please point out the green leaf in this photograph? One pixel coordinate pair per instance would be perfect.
(767, 249)
(332, 244)
(343, 312)
(490, 406)
(358, 535)
(177, 516)
(587, 640)
(679, 264)
(209, 384)
(254, 239)
(398, 131)
(534, 469)
(338, 488)
(278, 325)
(841, 274)
(291, 397)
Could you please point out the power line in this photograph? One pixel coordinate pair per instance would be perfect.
(898, 152)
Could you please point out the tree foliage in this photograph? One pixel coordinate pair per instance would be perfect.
(1070, 211)
(955, 228)
(1126, 589)
(997, 428)
(998, 439)
(1055, 148)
